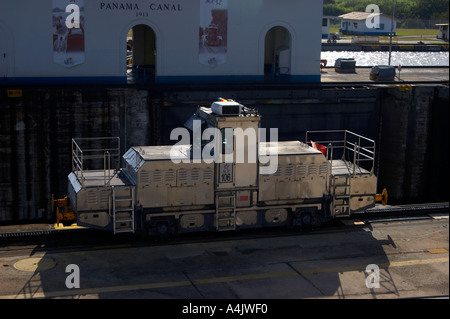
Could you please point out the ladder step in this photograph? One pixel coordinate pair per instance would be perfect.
(226, 207)
(221, 219)
(226, 197)
(123, 220)
(226, 210)
(128, 200)
(120, 210)
(225, 228)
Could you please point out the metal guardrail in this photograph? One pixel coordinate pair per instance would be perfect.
(354, 147)
(88, 149)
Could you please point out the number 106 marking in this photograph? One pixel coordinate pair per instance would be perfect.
(226, 178)
(226, 173)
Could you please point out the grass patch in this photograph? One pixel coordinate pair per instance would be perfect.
(405, 32)
(417, 32)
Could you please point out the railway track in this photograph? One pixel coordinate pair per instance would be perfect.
(404, 209)
(93, 239)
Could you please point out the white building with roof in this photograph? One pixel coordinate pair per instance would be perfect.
(367, 24)
(326, 22)
(443, 31)
(174, 41)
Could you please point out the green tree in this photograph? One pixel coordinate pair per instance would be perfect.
(427, 9)
(404, 9)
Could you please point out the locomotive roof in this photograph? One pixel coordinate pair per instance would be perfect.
(288, 148)
(182, 152)
(155, 153)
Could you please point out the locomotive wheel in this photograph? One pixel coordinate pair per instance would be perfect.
(162, 228)
(306, 219)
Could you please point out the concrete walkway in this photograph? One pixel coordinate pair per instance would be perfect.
(407, 74)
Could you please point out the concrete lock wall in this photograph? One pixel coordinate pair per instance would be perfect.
(415, 147)
(36, 128)
(36, 131)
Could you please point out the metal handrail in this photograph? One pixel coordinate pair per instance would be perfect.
(341, 131)
(106, 162)
(77, 162)
(330, 158)
(80, 155)
(362, 147)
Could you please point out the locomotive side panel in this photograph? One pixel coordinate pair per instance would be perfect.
(352, 186)
(298, 177)
(163, 184)
(78, 200)
(91, 196)
(363, 191)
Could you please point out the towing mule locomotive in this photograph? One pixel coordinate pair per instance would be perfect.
(244, 182)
